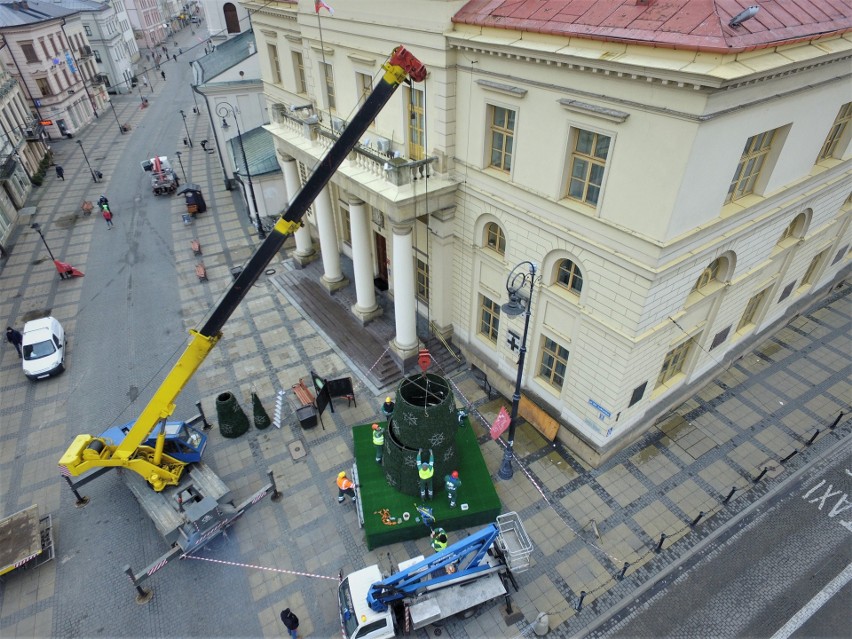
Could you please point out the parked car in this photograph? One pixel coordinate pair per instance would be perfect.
(43, 348)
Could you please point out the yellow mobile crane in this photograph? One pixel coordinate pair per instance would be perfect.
(95, 455)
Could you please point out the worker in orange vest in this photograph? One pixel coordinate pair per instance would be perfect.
(344, 487)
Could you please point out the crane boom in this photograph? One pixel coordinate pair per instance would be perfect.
(160, 470)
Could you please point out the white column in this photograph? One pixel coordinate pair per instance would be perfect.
(333, 278)
(404, 303)
(441, 289)
(362, 259)
(304, 244)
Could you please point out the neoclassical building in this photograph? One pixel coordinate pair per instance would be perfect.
(678, 175)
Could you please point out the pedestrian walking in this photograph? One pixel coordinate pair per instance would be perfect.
(60, 172)
(107, 215)
(174, 58)
(15, 339)
(163, 73)
(425, 471)
(452, 483)
(145, 81)
(291, 622)
(344, 487)
(180, 51)
(378, 441)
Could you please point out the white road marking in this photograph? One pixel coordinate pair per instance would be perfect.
(797, 620)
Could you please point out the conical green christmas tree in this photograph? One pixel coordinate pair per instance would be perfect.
(232, 420)
(261, 418)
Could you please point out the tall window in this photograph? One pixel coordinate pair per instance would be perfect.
(588, 162)
(810, 274)
(794, 229)
(422, 272)
(751, 164)
(674, 361)
(44, 86)
(273, 63)
(554, 362)
(838, 129)
(489, 318)
(328, 78)
(752, 309)
(29, 51)
(345, 225)
(569, 276)
(299, 66)
(416, 117)
(502, 138)
(494, 238)
(364, 86)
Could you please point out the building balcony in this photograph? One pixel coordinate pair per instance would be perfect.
(84, 53)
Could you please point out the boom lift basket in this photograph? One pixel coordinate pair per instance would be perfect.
(514, 542)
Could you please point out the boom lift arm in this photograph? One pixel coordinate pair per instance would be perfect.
(468, 558)
(88, 452)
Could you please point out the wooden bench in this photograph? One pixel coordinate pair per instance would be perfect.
(201, 272)
(195, 245)
(305, 396)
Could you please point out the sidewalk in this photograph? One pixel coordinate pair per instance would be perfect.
(585, 524)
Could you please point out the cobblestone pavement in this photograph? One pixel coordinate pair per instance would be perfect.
(586, 524)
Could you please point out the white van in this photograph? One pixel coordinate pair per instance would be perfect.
(43, 348)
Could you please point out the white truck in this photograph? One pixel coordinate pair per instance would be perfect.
(455, 581)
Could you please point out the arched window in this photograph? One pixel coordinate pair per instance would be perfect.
(494, 238)
(709, 274)
(794, 229)
(232, 20)
(569, 276)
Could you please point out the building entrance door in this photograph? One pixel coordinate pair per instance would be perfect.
(381, 280)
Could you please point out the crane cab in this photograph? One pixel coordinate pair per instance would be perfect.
(183, 442)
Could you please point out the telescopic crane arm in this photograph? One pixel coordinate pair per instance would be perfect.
(88, 452)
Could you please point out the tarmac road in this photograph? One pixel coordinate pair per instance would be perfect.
(765, 574)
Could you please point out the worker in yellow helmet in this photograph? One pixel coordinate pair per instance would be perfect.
(387, 407)
(344, 487)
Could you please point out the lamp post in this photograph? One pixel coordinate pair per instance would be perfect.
(37, 228)
(182, 170)
(91, 170)
(225, 109)
(117, 121)
(515, 283)
(189, 139)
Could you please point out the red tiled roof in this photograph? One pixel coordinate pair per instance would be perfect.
(681, 24)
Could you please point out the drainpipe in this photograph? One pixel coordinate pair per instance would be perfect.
(215, 137)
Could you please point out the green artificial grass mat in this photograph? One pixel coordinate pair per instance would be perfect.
(477, 491)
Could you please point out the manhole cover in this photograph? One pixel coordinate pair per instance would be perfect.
(297, 449)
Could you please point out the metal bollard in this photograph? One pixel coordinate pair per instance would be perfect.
(836, 421)
(760, 476)
(660, 545)
(813, 437)
(276, 496)
(789, 457)
(580, 601)
(730, 494)
(697, 519)
(623, 571)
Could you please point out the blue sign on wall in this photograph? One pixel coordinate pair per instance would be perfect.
(70, 62)
(603, 413)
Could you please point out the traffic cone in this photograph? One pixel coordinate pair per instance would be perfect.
(232, 420)
(261, 419)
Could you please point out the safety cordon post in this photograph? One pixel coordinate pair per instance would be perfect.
(142, 596)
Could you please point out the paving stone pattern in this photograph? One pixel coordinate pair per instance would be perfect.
(586, 524)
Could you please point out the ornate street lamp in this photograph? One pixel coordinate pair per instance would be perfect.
(37, 228)
(224, 110)
(515, 284)
(182, 170)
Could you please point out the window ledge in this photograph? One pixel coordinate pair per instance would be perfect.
(585, 108)
(668, 385)
(505, 89)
